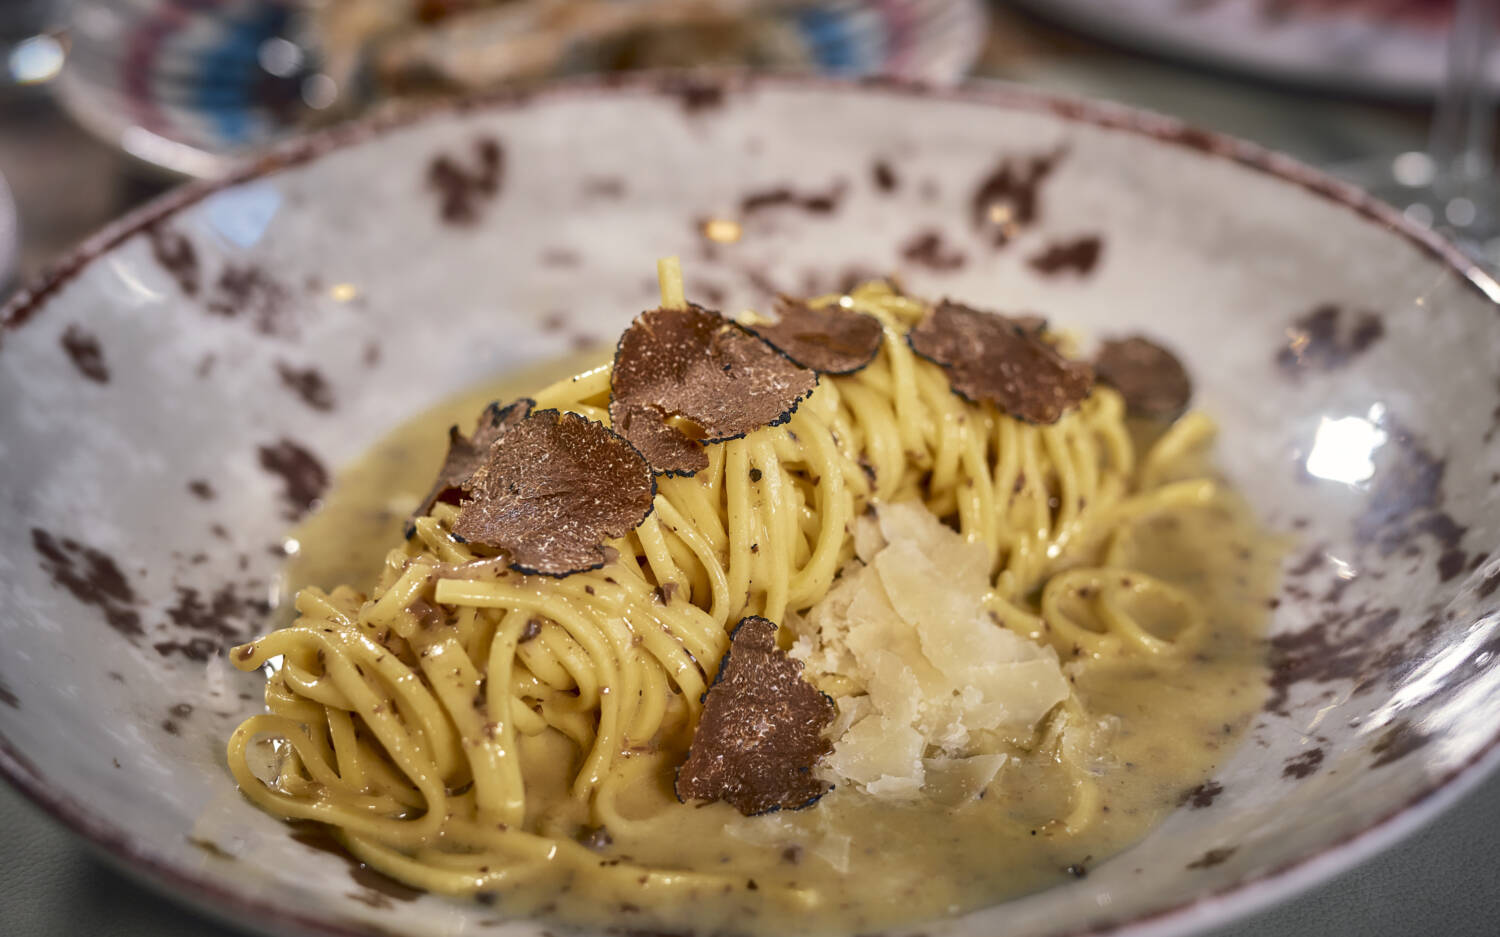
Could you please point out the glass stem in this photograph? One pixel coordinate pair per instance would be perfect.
(1463, 124)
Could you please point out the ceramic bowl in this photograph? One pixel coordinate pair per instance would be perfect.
(159, 435)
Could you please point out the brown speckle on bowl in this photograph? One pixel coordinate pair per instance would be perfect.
(194, 649)
(462, 186)
(249, 293)
(817, 203)
(1303, 765)
(92, 577)
(1212, 858)
(1077, 255)
(84, 350)
(883, 174)
(1336, 589)
(1325, 339)
(176, 255)
(1201, 796)
(1312, 561)
(1337, 646)
(1451, 563)
(308, 384)
(1008, 198)
(201, 489)
(1406, 499)
(928, 249)
(227, 613)
(303, 477)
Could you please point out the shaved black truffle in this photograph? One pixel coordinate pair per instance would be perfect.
(829, 340)
(685, 377)
(552, 489)
(761, 731)
(991, 358)
(466, 454)
(1150, 378)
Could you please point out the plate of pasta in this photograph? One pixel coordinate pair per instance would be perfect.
(710, 504)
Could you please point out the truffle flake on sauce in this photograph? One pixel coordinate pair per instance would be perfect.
(761, 731)
(466, 454)
(552, 489)
(686, 377)
(996, 359)
(828, 339)
(1150, 378)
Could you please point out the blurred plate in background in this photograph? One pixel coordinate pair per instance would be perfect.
(1381, 48)
(189, 86)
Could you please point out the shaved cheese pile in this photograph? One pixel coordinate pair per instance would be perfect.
(928, 685)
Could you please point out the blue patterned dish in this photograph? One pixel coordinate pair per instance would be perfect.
(183, 84)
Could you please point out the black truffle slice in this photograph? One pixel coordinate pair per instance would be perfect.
(761, 731)
(685, 377)
(551, 490)
(989, 357)
(1150, 378)
(829, 340)
(466, 454)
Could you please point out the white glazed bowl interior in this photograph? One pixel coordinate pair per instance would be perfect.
(136, 373)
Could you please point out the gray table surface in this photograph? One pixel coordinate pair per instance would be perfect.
(1445, 880)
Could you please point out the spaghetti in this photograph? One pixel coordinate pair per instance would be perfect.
(468, 729)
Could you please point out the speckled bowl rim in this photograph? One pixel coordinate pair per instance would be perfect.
(1214, 908)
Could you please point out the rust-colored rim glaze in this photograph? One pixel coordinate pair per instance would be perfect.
(703, 90)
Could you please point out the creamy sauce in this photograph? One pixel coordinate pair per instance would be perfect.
(1172, 726)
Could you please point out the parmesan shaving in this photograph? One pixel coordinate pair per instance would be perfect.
(925, 679)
